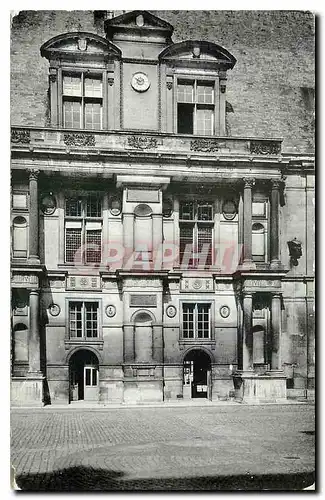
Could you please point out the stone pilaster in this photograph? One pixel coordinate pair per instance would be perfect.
(158, 343)
(34, 346)
(128, 235)
(128, 342)
(33, 217)
(157, 233)
(247, 223)
(275, 200)
(276, 331)
(247, 348)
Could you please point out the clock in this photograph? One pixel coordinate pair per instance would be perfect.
(140, 82)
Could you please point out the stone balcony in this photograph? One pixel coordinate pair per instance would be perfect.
(109, 143)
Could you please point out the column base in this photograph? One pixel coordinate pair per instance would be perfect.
(248, 265)
(267, 387)
(28, 391)
(34, 260)
(276, 264)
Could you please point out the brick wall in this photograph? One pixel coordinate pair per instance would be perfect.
(270, 89)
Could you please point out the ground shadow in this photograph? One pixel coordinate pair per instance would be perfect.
(90, 479)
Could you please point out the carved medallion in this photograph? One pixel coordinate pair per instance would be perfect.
(140, 82)
(224, 311)
(197, 284)
(48, 204)
(229, 210)
(171, 311)
(54, 309)
(115, 205)
(110, 311)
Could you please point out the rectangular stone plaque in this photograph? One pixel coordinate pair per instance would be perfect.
(143, 195)
(24, 280)
(143, 300)
(197, 285)
(83, 283)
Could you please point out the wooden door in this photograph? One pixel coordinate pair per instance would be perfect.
(91, 383)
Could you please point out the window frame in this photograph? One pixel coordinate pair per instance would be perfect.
(72, 340)
(83, 220)
(196, 80)
(91, 73)
(195, 224)
(196, 303)
(262, 219)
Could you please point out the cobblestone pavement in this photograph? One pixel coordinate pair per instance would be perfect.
(188, 448)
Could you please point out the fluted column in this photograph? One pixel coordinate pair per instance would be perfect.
(275, 200)
(34, 346)
(247, 223)
(128, 342)
(128, 235)
(276, 330)
(33, 216)
(158, 345)
(247, 351)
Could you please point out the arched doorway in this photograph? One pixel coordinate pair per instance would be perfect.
(197, 375)
(83, 376)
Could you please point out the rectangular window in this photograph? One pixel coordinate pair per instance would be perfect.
(196, 234)
(195, 107)
(83, 320)
(83, 229)
(82, 102)
(259, 228)
(196, 321)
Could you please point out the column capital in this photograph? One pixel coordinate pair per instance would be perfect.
(276, 295)
(34, 291)
(276, 184)
(248, 295)
(33, 174)
(249, 182)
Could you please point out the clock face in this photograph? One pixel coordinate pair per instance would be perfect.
(140, 82)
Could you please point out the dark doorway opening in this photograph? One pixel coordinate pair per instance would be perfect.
(83, 376)
(197, 373)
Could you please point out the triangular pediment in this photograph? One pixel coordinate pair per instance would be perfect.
(79, 45)
(138, 21)
(198, 50)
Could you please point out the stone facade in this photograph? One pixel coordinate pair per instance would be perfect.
(162, 246)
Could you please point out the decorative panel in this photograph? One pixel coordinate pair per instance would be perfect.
(197, 285)
(143, 300)
(83, 283)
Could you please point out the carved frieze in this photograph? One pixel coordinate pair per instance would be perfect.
(262, 283)
(83, 283)
(20, 136)
(79, 139)
(142, 142)
(24, 280)
(204, 145)
(197, 285)
(265, 147)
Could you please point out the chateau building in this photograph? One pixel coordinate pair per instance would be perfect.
(156, 253)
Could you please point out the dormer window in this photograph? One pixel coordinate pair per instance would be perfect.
(82, 101)
(195, 107)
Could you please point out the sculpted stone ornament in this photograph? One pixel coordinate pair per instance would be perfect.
(169, 85)
(295, 251)
(140, 82)
(79, 139)
(204, 145)
(142, 142)
(248, 182)
(265, 147)
(20, 136)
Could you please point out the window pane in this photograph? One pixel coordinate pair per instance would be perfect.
(75, 319)
(73, 207)
(73, 245)
(94, 376)
(186, 211)
(185, 92)
(205, 93)
(72, 114)
(186, 246)
(204, 245)
(203, 322)
(93, 116)
(88, 373)
(94, 206)
(91, 319)
(204, 211)
(188, 320)
(93, 249)
(204, 121)
(93, 87)
(72, 85)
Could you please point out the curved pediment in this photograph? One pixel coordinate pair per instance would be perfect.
(198, 50)
(79, 45)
